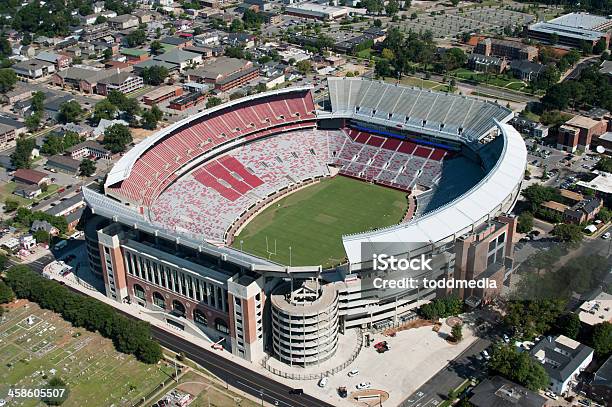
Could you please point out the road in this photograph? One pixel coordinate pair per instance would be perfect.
(233, 374)
(436, 389)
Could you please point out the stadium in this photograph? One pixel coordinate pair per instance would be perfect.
(248, 223)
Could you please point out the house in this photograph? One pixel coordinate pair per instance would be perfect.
(64, 164)
(89, 149)
(583, 211)
(600, 388)
(44, 225)
(27, 191)
(124, 82)
(33, 69)
(123, 22)
(104, 124)
(82, 130)
(563, 359)
(60, 61)
(499, 392)
(483, 63)
(30, 177)
(526, 70)
(180, 58)
(73, 218)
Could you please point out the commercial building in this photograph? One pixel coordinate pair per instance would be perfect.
(601, 185)
(317, 11)
(483, 63)
(563, 359)
(225, 73)
(63, 163)
(579, 131)
(583, 211)
(572, 30)
(597, 310)
(506, 49)
(124, 82)
(123, 22)
(186, 101)
(499, 392)
(161, 93)
(33, 69)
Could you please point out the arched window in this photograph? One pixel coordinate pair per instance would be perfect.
(221, 326)
(199, 317)
(178, 308)
(139, 292)
(158, 300)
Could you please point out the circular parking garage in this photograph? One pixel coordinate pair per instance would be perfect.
(304, 323)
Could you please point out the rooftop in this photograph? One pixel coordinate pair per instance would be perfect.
(582, 20)
(222, 66)
(582, 122)
(597, 310)
(500, 392)
(560, 356)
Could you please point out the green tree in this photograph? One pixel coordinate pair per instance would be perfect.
(392, 7)
(55, 383)
(107, 54)
(87, 168)
(155, 75)
(604, 215)
(537, 194)
(104, 109)
(604, 164)
(304, 66)
(568, 324)
(6, 293)
(213, 101)
(457, 332)
(8, 79)
(117, 137)
(568, 233)
(38, 101)
(10, 205)
(602, 340)
(525, 222)
(156, 47)
(32, 122)
(136, 37)
(600, 46)
(42, 236)
(519, 367)
(69, 112)
(22, 156)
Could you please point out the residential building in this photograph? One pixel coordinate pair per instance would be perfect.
(44, 225)
(134, 55)
(124, 82)
(179, 42)
(8, 136)
(583, 211)
(499, 392)
(526, 70)
(563, 359)
(483, 63)
(33, 69)
(60, 61)
(123, 22)
(27, 191)
(600, 388)
(513, 50)
(89, 148)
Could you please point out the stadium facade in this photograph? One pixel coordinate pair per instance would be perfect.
(160, 230)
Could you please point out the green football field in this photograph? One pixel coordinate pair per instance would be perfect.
(312, 221)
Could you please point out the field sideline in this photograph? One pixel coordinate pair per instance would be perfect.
(312, 221)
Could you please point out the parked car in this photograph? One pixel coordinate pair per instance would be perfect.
(363, 385)
(606, 236)
(353, 372)
(323, 382)
(486, 355)
(296, 391)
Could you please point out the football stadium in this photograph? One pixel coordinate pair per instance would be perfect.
(252, 223)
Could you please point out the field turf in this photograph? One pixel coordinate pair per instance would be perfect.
(312, 221)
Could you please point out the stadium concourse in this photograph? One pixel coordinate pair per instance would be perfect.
(160, 232)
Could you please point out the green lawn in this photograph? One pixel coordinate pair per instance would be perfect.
(501, 80)
(312, 221)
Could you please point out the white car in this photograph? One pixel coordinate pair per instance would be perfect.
(486, 355)
(506, 339)
(323, 382)
(551, 395)
(605, 236)
(363, 385)
(353, 372)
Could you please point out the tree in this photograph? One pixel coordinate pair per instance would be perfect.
(604, 164)
(536, 194)
(156, 47)
(22, 156)
(568, 233)
(155, 75)
(304, 66)
(42, 236)
(604, 215)
(10, 205)
(519, 367)
(234, 52)
(136, 37)
(600, 46)
(569, 325)
(377, 23)
(525, 222)
(87, 168)
(602, 340)
(453, 58)
(457, 332)
(38, 101)
(8, 79)
(117, 137)
(32, 122)
(104, 109)
(213, 101)
(392, 7)
(530, 318)
(69, 112)
(6, 293)
(107, 54)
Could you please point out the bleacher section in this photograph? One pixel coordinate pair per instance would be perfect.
(214, 196)
(156, 168)
(453, 115)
